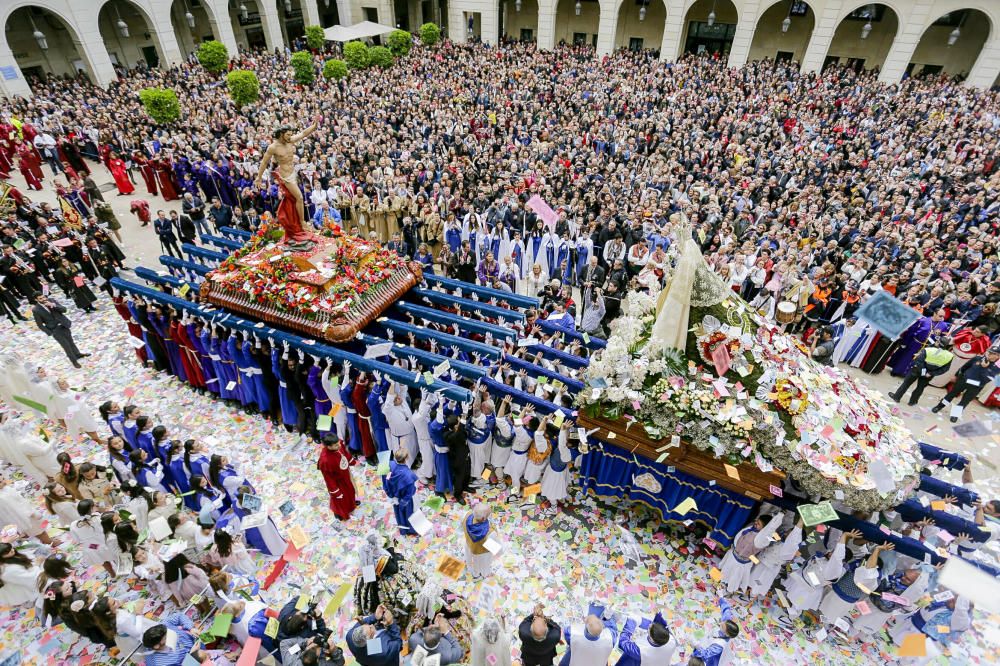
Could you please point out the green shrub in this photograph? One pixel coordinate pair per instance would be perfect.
(400, 42)
(357, 55)
(302, 64)
(160, 104)
(380, 56)
(315, 39)
(213, 56)
(430, 34)
(334, 69)
(243, 86)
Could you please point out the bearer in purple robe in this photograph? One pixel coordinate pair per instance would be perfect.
(913, 340)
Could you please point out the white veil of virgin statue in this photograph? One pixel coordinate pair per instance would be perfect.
(691, 282)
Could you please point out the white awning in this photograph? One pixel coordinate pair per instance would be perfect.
(363, 30)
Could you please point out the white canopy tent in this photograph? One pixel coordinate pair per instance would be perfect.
(363, 30)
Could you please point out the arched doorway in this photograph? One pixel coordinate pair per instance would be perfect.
(248, 24)
(192, 25)
(128, 35)
(521, 20)
(640, 24)
(44, 43)
(709, 27)
(951, 45)
(291, 19)
(783, 31)
(863, 38)
(577, 22)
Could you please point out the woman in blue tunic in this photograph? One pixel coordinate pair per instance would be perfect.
(144, 437)
(225, 478)
(256, 378)
(176, 474)
(207, 499)
(195, 462)
(147, 474)
(113, 415)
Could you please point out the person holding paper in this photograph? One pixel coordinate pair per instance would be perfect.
(335, 466)
(772, 559)
(170, 652)
(421, 421)
(375, 640)
(718, 652)
(401, 485)
(860, 578)
(804, 587)
(480, 433)
(591, 642)
(401, 423)
(910, 585)
(88, 532)
(972, 377)
(738, 563)
(476, 526)
(954, 614)
(442, 466)
(436, 640)
(555, 479)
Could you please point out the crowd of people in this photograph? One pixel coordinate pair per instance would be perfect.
(554, 174)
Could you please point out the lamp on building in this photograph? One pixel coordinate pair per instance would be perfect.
(954, 35)
(244, 12)
(121, 24)
(866, 30)
(288, 6)
(517, 6)
(43, 42)
(642, 12)
(711, 16)
(579, 7)
(786, 24)
(189, 17)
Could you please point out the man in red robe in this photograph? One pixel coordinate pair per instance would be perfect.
(360, 396)
(30, 164)
(335, 465)
(120, 174)
(147, 172)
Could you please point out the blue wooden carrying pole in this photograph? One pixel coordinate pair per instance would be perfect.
(156, 278)
(235, 234)
(306, 345)
(193, 251)
(225, 245)
(443, 339)
(193, 270)
(590, 342)
(425, 358)
(464, 323)
(467, 305)
(483, 293)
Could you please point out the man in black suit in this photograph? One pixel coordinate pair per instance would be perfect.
(465, 263)
(52, 320)
(539, 637)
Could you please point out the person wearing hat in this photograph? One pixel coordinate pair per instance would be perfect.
(933, 360)
(971, 378)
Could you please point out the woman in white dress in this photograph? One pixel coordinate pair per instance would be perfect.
(537, 279)
(60, 504)
(15, 510)
(555, 479)
(538, 452)
(35, 456)
(75, 412)
(18, 578)
(89, 533)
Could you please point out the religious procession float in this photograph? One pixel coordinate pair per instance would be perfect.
(710, 394)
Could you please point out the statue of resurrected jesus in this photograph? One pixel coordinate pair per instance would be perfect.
(282, 151)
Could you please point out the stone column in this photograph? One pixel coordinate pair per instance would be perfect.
(222, 24)
(749, 14)
(415, 9)
(274, 38)
(607, 26)
(822, 35)
(344, 11)
(908, 34)
(673, 30)
(17, 85)
(170, 50)
(987, 66)
(547, 24)
(310, 12)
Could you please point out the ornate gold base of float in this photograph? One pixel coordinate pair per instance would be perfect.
(752, 482)
(306, 269)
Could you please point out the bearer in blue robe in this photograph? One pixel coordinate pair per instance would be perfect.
(718, 650)
(656, 648)
(248, 394)
(256, 377)
(195, 331)
(401, 485)
(442, 470)
(289, 410)
(227, 347)
(378, 423)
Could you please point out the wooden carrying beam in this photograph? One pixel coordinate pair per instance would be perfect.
(752, 482)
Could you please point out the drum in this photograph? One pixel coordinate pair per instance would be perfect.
(785, 313)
